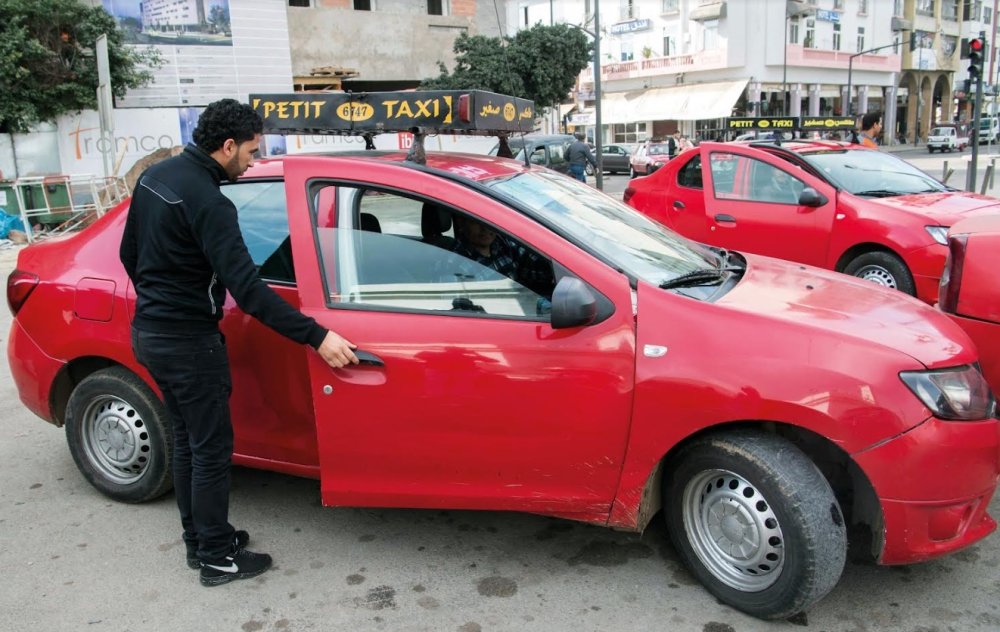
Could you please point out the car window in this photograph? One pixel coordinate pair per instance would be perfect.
(857, 171)
(690, 174)
(263, 219)
(537, 156)
(397, 252)
(556, 152)
(768, 183)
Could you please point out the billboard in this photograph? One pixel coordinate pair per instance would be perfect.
(210, 49)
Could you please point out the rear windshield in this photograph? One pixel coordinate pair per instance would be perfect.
(943, 131)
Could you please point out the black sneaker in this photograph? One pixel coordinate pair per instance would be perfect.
(240, 540)
(237, 565)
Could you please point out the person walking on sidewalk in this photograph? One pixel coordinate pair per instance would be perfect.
(182, 249)
(578, 154)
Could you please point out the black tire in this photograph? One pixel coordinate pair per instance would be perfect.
(755, 486)
(119, 435)
(631, 173)
(883, 268)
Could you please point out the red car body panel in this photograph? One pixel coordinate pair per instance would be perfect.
(977, 309)
(494, 413)
(824, 236)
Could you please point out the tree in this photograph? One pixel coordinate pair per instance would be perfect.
(540, 63)
(219, 19)
(47, 61)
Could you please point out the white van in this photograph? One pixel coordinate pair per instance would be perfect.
(989, 129)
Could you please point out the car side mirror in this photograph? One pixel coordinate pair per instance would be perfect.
(573, 304)
(811, 197)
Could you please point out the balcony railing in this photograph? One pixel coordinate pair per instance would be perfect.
(674, 64)
(819, 58)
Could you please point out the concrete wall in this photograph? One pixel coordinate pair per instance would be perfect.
(393, 43)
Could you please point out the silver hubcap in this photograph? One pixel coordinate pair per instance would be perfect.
(877, 274)
(733, 530)
(116, 440)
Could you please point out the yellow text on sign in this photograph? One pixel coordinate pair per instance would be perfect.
(430, 108)
(290, 109)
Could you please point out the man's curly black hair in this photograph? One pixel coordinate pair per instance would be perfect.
(224, 119)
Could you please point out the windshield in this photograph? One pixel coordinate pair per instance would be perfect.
(614, 231)
(657, 150)
(943, 131)
(859, 172)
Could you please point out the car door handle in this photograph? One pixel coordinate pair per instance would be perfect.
(722, 217)
(679, 204)
(368, 358)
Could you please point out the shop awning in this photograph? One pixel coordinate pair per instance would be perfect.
(692, 102)
(708, 11)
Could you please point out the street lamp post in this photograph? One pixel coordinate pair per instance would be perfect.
(850, 70)
(598, 140)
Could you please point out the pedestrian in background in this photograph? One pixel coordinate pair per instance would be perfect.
(578, 154)
(871, 127)
(182, 249)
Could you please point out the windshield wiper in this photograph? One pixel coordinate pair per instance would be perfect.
(879, 193)
(711, 276)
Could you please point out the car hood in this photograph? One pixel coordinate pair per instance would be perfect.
(946, 207)
(850, 308)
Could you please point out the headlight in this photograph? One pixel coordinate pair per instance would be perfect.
(959, 393)
(939, 233)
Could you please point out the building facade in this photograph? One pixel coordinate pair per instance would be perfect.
(689, 64)
(389, 44)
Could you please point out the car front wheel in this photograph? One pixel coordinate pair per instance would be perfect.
(883, 268)
(755, 521)
(119, 436)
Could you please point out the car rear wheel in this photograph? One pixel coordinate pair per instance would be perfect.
(119, 436)
(631, 172)
(589, 169)
(883, 268)
(755, 521)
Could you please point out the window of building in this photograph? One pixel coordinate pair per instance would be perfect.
(970, 9)
(897, 8)
(948, 45)
(524, 16)
(669, 46)
(362, 5)
(925, 7)
(300, 3)
(949, 10)
(987, 15)
(861, 38)
(793, 31)
(671, 6)
(628, 132)
(836, 36)
(862, 7)
(437, 7)
(627, 53)
(628, 10)
(710, 35)
(838, 5)
(810, 39)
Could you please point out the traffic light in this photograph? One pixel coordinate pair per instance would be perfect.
(975, 58)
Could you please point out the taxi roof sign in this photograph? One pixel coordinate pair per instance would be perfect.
(789, 123)
(360, 113)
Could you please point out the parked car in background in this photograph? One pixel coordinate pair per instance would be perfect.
(947, 138)
(970, 293)
(826, 203)
(616, 158)
(648, 158)
(545, 150)
(617, 372)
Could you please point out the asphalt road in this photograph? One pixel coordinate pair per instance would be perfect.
(73, 560)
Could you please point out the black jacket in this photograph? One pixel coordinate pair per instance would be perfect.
(578, 153)
(183, 249)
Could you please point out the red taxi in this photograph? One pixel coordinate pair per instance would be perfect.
(969, 290)
(620, 369)
(829, 204)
